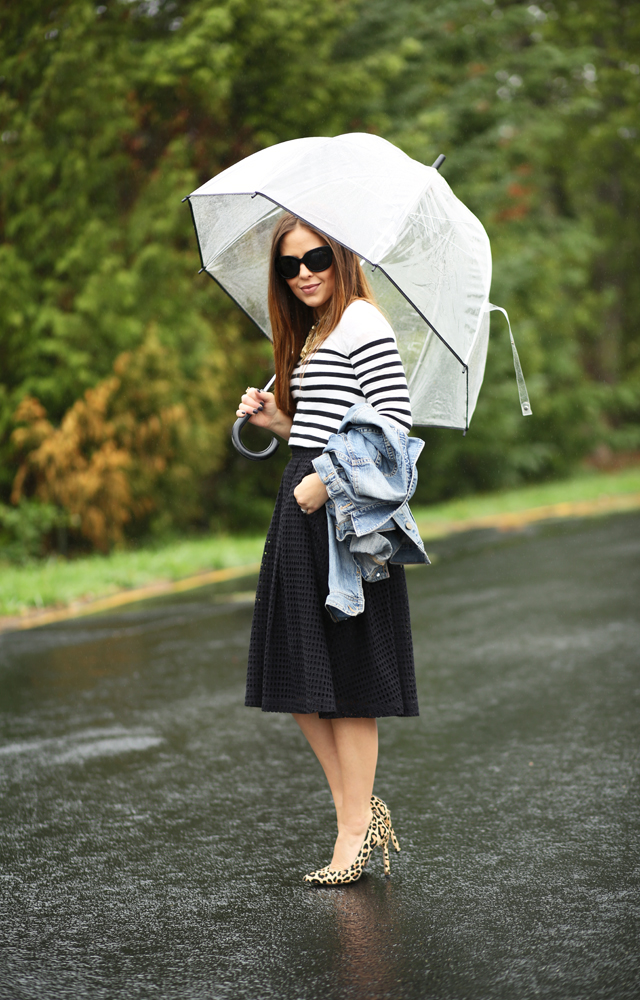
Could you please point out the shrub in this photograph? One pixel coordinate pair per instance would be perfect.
(26, 529)
(128, 457)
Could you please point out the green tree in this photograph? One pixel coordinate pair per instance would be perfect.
(110, 115)
(536, 109)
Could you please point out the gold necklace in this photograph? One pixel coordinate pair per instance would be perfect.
(309, 342)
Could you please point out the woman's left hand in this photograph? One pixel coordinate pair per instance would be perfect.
(311, 493)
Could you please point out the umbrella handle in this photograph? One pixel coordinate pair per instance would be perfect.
(255, 456)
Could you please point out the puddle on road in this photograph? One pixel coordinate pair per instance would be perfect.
(154, 832)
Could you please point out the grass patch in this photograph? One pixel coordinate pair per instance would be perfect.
(57, 582)
(587, 486)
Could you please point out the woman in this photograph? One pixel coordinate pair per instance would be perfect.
(332, 348)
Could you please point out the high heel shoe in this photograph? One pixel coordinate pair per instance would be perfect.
(381, 810)
(376, 834)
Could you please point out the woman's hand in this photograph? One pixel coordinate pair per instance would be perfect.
(311, 493)
(263, 412)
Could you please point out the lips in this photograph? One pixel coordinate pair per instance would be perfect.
(310, 289)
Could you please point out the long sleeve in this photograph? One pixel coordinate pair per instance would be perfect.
(371, 346)
(381, 377)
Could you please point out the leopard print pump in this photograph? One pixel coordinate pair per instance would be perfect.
(381, 810)
(376, 834)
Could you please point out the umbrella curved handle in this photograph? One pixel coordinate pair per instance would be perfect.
(255, 456)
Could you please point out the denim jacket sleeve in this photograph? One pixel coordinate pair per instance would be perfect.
(369, 471)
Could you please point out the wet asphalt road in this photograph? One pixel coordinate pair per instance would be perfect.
(154, 832)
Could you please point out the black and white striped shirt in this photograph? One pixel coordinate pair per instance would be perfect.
(357, 363)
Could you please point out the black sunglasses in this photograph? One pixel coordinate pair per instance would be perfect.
(318, 259)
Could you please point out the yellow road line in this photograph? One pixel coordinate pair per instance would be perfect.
(513, 520)
(430, 530)
(77, 609)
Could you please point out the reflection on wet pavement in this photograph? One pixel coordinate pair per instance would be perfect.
(155, 832)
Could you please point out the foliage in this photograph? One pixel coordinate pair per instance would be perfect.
(59, 582)
(112, 113)
(536, 109)
(26, 528)
(586, 486)
(78, 465)
(133, 449)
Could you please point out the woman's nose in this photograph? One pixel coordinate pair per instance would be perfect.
(305, 272)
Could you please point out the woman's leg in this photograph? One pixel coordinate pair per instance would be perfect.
(356, 743)
(348, 753)
(319, 734)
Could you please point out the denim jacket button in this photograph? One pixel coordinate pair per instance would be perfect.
(408, 525)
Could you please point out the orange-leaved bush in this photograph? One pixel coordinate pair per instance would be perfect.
(130, 454)
(77, 466)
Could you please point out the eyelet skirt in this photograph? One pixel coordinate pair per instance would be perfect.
(302, 661)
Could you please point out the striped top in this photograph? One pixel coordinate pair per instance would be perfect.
(357, 363)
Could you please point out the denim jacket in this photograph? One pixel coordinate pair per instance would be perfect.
(369, 470)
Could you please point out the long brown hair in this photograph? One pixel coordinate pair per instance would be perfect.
(291, 319)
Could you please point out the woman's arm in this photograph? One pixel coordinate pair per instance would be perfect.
(264, 412)
(371, 346)
(380, 373)
(310, 493)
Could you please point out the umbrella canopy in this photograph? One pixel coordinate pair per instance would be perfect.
(428, 257)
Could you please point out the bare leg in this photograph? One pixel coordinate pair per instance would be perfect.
(357, 748)
(348, 752)
(321, 739)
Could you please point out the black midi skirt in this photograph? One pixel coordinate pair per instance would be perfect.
(300, 660)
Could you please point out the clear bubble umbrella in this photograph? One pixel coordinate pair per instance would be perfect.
(428, 256)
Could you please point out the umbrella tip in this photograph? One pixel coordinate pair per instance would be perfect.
(186, 198)
(439, 160)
